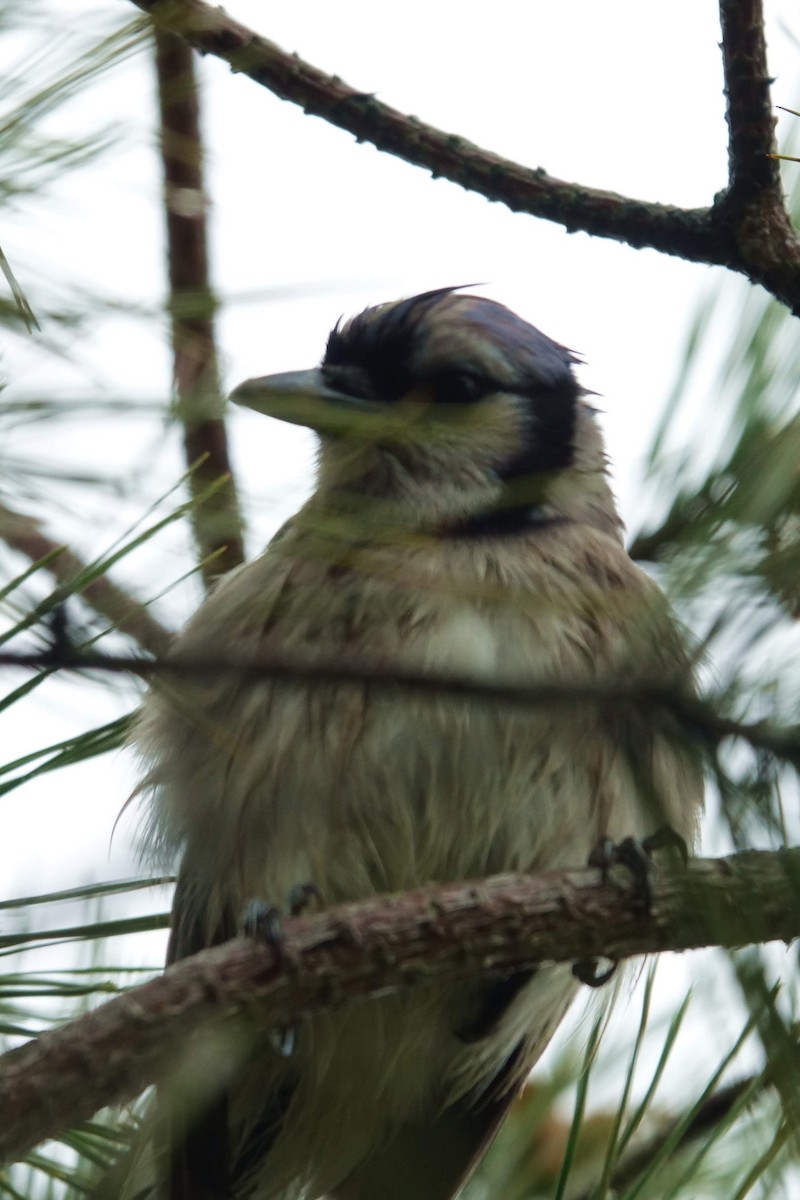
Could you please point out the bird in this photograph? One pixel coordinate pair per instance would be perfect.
(462, 524)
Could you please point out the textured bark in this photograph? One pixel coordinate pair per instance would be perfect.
(451, 932)
(746, 228)
(215, 515)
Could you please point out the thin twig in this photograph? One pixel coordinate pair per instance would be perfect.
(697, 715)
(23, 534)
(447, 933)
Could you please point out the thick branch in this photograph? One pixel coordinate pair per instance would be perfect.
(670, 229)
(753, 207)
(216, 518)
(763, 247)
(750, 117)
(446, 933)
(130, 616)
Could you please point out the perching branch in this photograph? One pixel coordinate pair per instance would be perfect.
(746, 229)
(215, 517)
(448, 933)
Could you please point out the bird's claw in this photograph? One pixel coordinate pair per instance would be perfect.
(630, 853)
(587, 970)
(666, 838)
(636, 856)
(301, 898)
(264, 923)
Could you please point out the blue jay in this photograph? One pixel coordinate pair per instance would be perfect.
(462, 524)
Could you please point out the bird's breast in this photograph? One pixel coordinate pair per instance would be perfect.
(365, 787)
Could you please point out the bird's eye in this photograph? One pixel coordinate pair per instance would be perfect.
(351, 380)
(460, 387)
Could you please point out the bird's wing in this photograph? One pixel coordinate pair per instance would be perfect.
(197, 1150)
(193, 1159)
(203, 1162)
(433, 1158)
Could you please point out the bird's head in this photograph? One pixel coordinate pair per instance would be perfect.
(448, 413)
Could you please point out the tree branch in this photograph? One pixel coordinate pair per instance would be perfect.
(23, 534)
(445, 155)
(753, 207)
(763, 246)
(751, 123)
(446, 933)
(216, 518)
(698, 716)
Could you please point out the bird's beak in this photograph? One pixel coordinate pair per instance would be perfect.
(304, 398)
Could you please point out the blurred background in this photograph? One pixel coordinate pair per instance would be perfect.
(696, 374)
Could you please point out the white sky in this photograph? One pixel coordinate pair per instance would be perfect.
(308, 225)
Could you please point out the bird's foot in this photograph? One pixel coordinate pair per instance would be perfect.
(264, 923)
(587, 970)
(302, 897)
(635, 854)
(630, 853)
(667, 838)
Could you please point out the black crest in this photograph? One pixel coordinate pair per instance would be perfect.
(379, 343)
